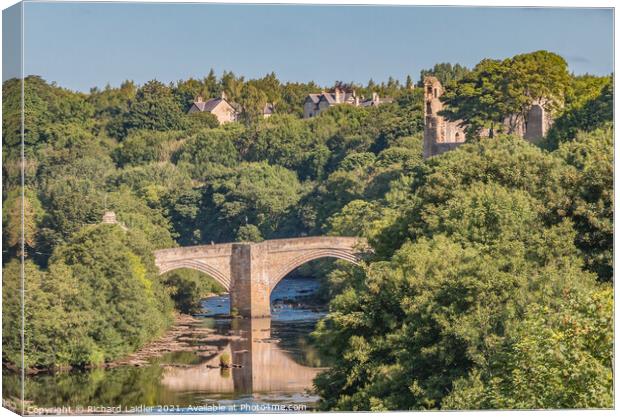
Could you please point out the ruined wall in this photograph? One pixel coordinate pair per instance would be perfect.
(538, 123)
(440, 135)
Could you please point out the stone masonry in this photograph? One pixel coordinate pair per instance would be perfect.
(250, 271)
(441, 135)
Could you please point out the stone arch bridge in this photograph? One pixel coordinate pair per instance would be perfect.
(250, 271)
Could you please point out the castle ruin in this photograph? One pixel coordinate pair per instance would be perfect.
(441, 135)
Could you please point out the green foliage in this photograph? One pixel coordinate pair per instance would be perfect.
(121, 288)
(256, 193)
(112, 102)
(594, 113)
(153, 108)
(99, 299)
(558, 357)
(591, 204)
(210, 152)
(252, 102)
(225, 359)
(496, 91)
(445, 72)
(482, 290)
(202, 120)
(21, 217)
(188, 288)
(477, 279)
(43, 104)
(146, 146)
(249, 233)
(288, 141)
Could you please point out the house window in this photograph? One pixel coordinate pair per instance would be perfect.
(457, 136)
(435, 93)
(429, 89)
(429, 110)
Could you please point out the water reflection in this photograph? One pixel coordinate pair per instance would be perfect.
(273, 362)
(259, 365)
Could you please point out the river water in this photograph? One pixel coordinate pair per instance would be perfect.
(273, 364)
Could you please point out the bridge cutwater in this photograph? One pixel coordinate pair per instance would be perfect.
(250, 271)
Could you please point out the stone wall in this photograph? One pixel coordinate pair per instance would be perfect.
(441, 135)
(250, 271)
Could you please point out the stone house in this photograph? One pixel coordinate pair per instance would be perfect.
(220, 107)
(317, 103)
(226, 111)
(441, 135)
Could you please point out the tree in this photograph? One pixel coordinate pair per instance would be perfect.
(255, 193)
(210, 152)
(287, 141)
(202, 119)
(186, 92)
(498, 91)
(408, 83)
(481, 98)
(557, 357)
(231, 85)
(445, 72)
(252, 101)
(249, 233)
(590, 205)
(43, 104)
(146, 146)
(539, 77)
(594, 113)
(188, 287)
(154, 108)
(121, 288)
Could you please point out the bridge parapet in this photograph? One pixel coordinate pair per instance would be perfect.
(250, 271)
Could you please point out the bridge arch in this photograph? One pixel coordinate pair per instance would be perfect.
(308, 256)
(212, 272)
(249, 271)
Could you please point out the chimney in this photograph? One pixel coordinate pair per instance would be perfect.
(199, 99)
(223, 96)
(337, 95)
(375, 98)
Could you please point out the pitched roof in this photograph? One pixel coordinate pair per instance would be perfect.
(314, 97)
(210, 104)
(329, 97)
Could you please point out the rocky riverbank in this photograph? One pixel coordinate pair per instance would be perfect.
(186, 335)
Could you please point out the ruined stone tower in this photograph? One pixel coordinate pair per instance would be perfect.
(440, 135)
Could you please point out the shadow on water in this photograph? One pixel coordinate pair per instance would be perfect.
(269, 361)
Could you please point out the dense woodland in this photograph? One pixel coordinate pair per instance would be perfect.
(489, 286)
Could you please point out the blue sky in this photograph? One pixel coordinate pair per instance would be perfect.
(84, 45)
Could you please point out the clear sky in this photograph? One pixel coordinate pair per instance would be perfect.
(91, 44)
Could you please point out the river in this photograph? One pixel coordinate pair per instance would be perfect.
(272, 365)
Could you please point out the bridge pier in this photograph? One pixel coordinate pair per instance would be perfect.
(249, 271)
(250, 286)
